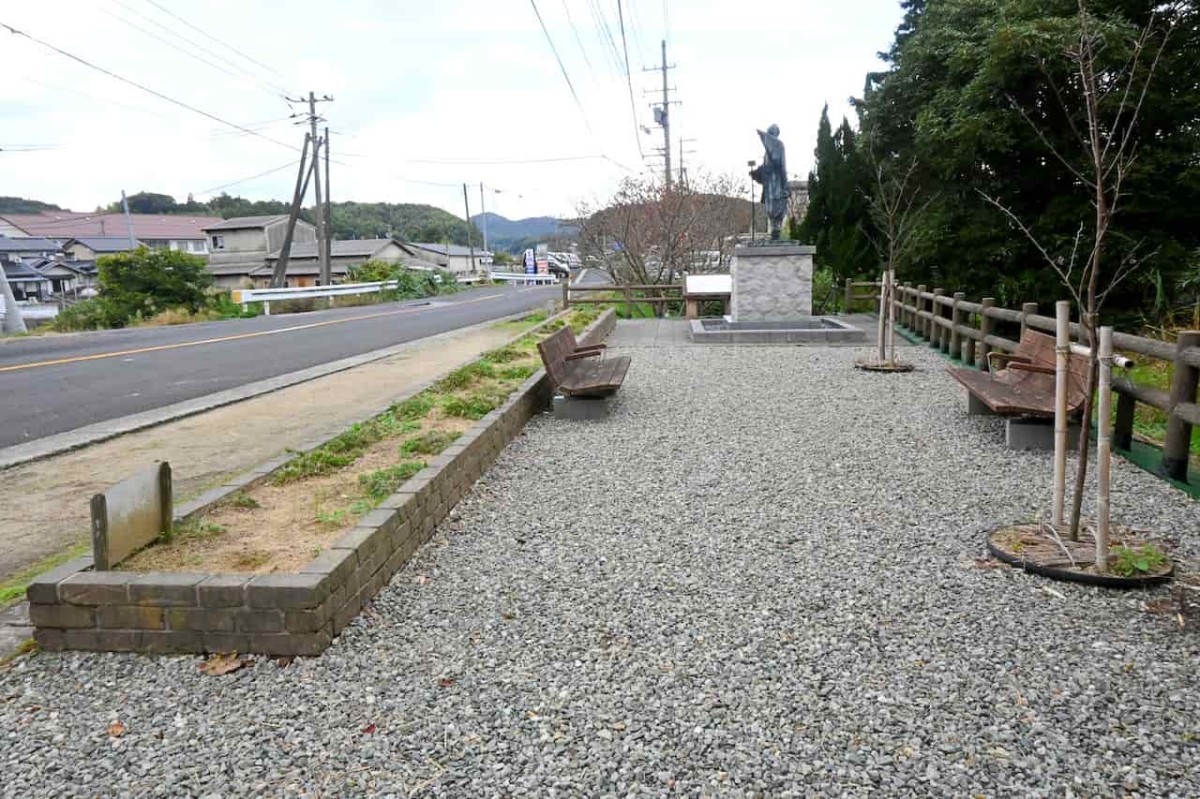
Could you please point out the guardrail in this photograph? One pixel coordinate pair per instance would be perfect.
(523, 278)
(969, 331)
(664, 293)
(267, 296)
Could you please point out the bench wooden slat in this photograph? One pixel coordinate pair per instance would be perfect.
(583, 377)
(1026, 392)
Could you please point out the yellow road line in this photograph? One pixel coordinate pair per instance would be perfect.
(181, 344)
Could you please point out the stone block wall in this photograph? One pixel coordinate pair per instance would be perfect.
(74, 607)
(772, 283)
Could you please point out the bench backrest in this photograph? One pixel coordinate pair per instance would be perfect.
(554, 350)
(1039, 348)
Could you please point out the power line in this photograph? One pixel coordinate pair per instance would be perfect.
(566, 77)
(140, 86)
(605, 34)
(240, 75)
(272, 171)
(578, 40)
(208, 35)
(629, 80)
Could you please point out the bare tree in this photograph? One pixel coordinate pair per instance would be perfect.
(1102, 104)
(648, 233)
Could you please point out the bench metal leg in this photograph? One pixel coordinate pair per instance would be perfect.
(1037, 434)
(977, 407)
(579, 408)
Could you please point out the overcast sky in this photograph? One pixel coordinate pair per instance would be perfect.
(455, 81)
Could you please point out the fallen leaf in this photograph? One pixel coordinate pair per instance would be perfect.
(116, 729)
(220, 664)
(369, 729)
(446, 682)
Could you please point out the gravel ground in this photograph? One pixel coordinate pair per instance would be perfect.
(756, 579)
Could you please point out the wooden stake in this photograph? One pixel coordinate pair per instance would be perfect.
(1062, 350)
(1104, 449)
(882, 317)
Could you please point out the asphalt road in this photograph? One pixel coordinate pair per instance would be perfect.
(52, 384)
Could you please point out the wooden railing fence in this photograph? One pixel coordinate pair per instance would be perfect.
(854, 294)
(656, 295)
(968, 331)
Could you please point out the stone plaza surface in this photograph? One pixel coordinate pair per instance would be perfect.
(772, 282)
(758, 577)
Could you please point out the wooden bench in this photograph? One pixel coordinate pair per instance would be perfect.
(580, 371)
(1021, 384)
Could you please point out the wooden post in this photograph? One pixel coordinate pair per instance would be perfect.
(1062, 350)
(956, 320)
(918, 323)
(566, 294)
(849, 294)
(882, 334)
(904, 318)
(1027, 310)
(628, 303)
(1104, 448)
(1178, 438)
(1123, 427)
(985, 330)
(891, 320)
(935, 330)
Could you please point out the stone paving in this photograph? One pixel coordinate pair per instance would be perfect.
(760, 576)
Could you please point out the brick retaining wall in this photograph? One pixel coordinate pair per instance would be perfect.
(74, 607)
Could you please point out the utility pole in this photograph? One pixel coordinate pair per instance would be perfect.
(482, 216)
(320, 208)
(128, 221)
(662, 113)
(327, 253)
(470, 244)
(279, 276)
(13, 321)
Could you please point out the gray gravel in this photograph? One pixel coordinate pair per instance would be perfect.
(756, 579)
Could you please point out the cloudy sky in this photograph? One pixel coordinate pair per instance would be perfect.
(427, 95)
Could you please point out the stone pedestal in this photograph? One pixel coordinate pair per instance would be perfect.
(772, 282)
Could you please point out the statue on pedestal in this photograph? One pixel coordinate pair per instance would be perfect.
(772, 174)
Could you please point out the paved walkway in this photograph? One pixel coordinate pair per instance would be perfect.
(673, 332)
(759, 577)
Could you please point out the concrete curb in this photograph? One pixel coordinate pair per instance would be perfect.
(74, 607)
(102, 431)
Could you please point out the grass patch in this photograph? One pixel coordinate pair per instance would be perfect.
(349, 446)
(432, 442)
(475, 405)
(525, 322)
(466, 376)
(12, 588)
(243, 500)
(382, 482)
(413, 408)
(1151, 423)
(521, 373)
(504, 355)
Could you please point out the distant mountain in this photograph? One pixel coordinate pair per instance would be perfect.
(516, 234)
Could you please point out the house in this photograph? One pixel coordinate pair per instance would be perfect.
(304, 265)
(18, 248)
(26, 282)
(89, 248)
(239, 246)
(454, 257)
(66, 277)
(158, 232)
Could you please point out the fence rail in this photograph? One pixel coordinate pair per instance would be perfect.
(665, 293)
(853, 295)
(967, 331)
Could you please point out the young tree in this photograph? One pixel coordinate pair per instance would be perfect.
(839, 212)
(1112, 64)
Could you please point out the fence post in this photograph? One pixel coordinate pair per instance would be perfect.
(955, 320)
(628, 303)
(566, 294)
(1178, 439)
(1123, 426)
(849, 294)
(985, 330)
(919, 302)
(1028, 309)
(935, 330)
(967, 350)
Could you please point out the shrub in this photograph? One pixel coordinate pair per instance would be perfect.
(92, 314)
(143, 282)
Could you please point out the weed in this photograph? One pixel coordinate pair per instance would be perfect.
(505, 355)
(333, 518)
(360, 507)
(517, 372)
(465, 376)
(475, 405)
(1126, 561)
(245, 501)
(413, 408)
(380, 483)
(251, 560)
(430, 443)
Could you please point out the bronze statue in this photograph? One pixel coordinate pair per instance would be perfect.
(772, 174)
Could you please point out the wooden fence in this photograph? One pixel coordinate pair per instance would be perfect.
(855, 294)
(656, 295)
(970, 330)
